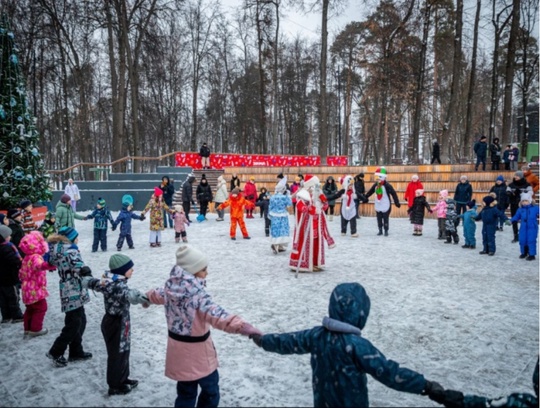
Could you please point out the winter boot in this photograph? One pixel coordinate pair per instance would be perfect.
(385, 233)
(531, 258)
(330, 218)
(380, 232)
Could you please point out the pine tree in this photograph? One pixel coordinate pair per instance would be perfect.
(22, 174)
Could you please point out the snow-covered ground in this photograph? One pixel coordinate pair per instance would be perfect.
(466, 320)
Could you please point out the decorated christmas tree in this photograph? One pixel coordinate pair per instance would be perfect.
(22, 174)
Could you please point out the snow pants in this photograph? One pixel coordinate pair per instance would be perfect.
(71, 335)
(345, 222)
(100, 237)
(241, 223)
(488, 237)
(9, 302)
(34, 316)
(187, 392)
(117, 361)
(121, 239)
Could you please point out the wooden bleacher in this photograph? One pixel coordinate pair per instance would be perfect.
(433, 177)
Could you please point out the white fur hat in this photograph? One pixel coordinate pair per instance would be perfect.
(191, 259)
(281, 186)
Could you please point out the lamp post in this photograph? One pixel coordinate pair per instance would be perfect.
(338, 72)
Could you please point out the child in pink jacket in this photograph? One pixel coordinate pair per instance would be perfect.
(440, 210)
(180, 222)
(190, 311)
(33, 276)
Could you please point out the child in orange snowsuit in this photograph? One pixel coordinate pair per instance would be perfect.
(237, 203)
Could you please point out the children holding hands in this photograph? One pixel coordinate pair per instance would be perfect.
(116, 324)
(190, 312)
(124, 220)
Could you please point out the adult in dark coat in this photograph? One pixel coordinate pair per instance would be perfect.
(360, 190)
(480, 148)
(14, 216)
(495, 150)
(515, 188)
(187, 194)
(462, 196)
(204, 195)
(341, 357)
(330, 189)
(204, 152)
(502, 198)
(11, 262)
(168, 193)
(436, 152)
(235, 182)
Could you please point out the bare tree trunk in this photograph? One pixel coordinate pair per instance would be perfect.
(456, 75)
(413, 143)
(262, 75)
(472, 84)
(498, 29)
(509, 72)
(323, 113)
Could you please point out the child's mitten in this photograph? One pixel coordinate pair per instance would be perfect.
(248, 330)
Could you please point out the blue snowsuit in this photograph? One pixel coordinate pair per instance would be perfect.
(341, 358)
(528, 231)
(469, 226)
(101, 217)
(124, 219)
(489, 217)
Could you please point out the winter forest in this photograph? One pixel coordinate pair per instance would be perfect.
(120, 78)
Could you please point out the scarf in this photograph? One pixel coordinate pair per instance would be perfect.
(379, 189)
(349, 197)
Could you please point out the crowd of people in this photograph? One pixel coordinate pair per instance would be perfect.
(29, 251)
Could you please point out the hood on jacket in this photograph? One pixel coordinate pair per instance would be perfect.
(34, 243)
(182, 285)
(61, 204)
(349, 303)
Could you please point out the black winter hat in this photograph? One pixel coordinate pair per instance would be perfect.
(25, 203)
(13, 213)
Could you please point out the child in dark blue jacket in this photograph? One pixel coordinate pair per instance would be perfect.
(101, 216)
(124, 219)
(341, 357)
(489, 216)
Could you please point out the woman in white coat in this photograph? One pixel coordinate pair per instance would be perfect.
(73, 191)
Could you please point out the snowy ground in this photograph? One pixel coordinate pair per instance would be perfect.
(466, 320)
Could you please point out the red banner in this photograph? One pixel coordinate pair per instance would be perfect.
(220, 161)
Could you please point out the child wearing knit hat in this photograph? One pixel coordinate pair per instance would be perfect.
(14, 216)
(180, 221)
(116, 324)
(64, 254)
(101, 216)
(469, 225)
(499, 189)
(190, 311)
(440, 210)
(11, 261)
(124, 220)
(417, 211)
(48, 226)
(27, 220)
(489, 216)
(527, 215)
(156, 206)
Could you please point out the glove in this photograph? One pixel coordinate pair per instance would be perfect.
(257, 339)
(49, 267)
(135, 297)
(434, 391)
(114, 228)
(193, 203)
(143, 217)
(248, 330)
(85, 219)
(85, 282)
(85, 271)
(431, 211)
(398, 205)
